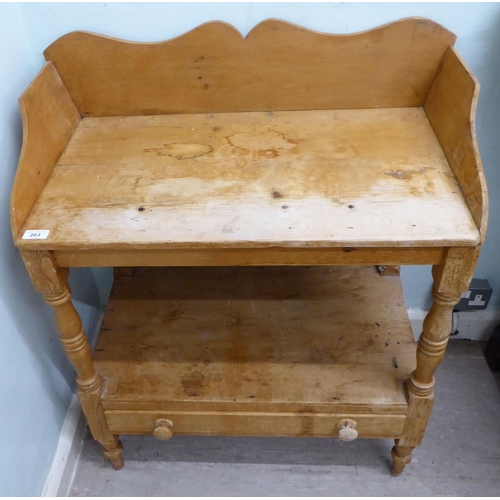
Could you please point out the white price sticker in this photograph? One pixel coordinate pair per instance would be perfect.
(36, 234)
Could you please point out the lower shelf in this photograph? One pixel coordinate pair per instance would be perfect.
(256, 351)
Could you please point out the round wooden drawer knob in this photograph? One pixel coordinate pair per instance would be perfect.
(347, 430)
(163, 429)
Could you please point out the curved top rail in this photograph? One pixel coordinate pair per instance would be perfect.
(279, 66)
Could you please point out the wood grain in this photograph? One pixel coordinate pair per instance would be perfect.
(298, 424)
(389, 270)
(278, 66)
(256, 339)
(253, 257)
(451, 279)
(49, 119)
(401, 456)
(361, 178)
(455, 273)
(286, 147)
(451, 108)
(52, 283)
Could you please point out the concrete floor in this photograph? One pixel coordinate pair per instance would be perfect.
(459, 456)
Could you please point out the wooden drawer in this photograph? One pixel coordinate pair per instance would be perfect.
(290, 424)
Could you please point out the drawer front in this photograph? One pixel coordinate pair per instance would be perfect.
(207, 423)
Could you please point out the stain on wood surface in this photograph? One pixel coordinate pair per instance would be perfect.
(347, 177)
(289, 338)
(181, 150)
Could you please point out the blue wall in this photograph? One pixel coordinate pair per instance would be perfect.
(36, 381)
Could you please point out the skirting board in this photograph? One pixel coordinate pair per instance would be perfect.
(63, 467)
(61, 473)
(470, 325)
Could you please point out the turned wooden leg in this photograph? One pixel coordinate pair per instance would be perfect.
(451, 279)
(52, 282)
(401, 456)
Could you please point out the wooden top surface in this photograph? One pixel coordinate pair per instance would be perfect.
(369, 178)
(274, 338)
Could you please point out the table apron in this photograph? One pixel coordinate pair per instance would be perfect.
(345, 256)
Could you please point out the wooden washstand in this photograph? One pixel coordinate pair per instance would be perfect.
(254, 183)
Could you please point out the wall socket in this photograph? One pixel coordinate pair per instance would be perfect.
(476, 297)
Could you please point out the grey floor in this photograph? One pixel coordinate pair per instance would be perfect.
(460, 455)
